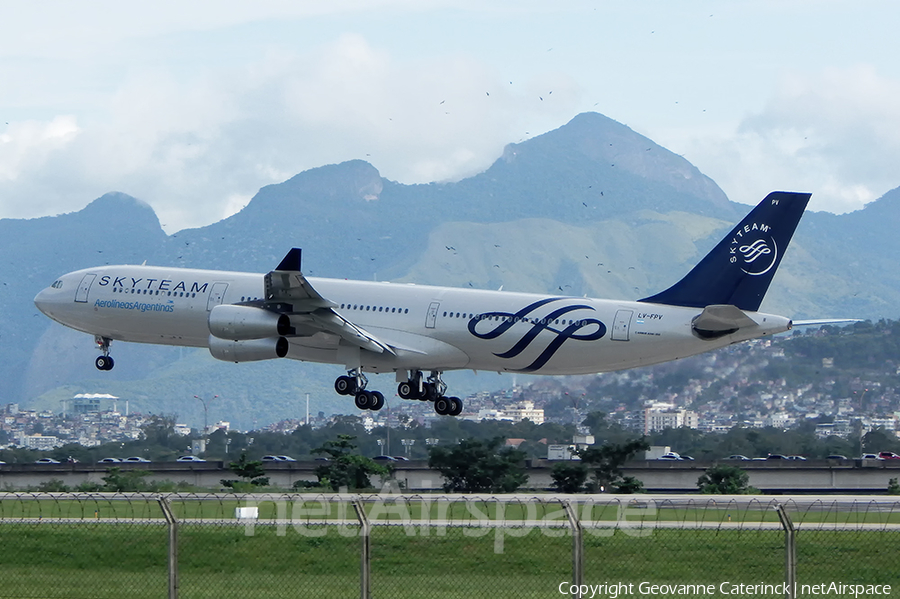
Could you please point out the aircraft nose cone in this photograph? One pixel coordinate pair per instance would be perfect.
(42, 301)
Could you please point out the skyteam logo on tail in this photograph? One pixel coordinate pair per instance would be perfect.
(754, 248)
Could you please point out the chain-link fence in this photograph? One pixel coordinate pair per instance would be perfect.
(389, 545)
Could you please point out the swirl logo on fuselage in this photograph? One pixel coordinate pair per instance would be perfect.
(568, 329)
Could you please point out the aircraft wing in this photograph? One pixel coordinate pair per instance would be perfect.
(289, 291)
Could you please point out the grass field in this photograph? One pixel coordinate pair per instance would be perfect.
(99, 559)
(422, 507)
(129, 561)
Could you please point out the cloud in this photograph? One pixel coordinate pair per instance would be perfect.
(25, 148)
(835, 133)
(190, 143)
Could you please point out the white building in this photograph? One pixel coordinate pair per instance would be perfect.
(657, 420)
(514, 413)
(780, 420)
(41, 442)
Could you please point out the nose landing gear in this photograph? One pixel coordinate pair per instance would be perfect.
(104, 362)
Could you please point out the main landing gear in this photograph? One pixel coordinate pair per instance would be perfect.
(355, 384)
(416, 387)
(104, 362)
(432, 390)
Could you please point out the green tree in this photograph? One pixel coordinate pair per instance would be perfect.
(54, 485)
(251, 472)
(569, 476)
(117, 481)
(603, 428)
(724, 479)
(628, 485)
(160, 430)
(475, 466)
(607, 460)
(893, 487)
(345, 468)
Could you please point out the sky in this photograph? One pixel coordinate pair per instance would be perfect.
(193, 106)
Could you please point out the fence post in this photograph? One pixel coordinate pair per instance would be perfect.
(172, 525)
(577, 547)
(365, 590)
(790, 551)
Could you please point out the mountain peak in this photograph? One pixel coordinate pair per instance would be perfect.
(605, 164)
(119, 210)
(353, 179)
(116, 200)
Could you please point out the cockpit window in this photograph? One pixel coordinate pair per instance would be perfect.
(57, 284)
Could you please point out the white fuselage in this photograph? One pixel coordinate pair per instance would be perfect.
(429, 328)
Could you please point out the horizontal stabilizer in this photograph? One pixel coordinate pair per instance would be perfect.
(720, 319)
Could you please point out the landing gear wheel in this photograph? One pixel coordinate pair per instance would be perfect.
(377, 401)
(345, 385)
(406, 390)
(456, 406)
(442, 405)
(364, 400)
(430, 393)
(104, 363)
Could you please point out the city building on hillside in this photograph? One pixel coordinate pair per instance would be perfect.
(523, 410)
(40, 442)
(221, 425)
(88, 403)
(780, 420)
(656, 419)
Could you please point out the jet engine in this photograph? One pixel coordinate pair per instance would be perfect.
(250, 350)
(239, 323)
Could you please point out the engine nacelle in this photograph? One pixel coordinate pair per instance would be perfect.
(238, 323)
(250, 350)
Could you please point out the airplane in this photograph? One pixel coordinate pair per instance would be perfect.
(411, 330)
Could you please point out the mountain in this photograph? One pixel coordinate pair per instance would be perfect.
(590, 208)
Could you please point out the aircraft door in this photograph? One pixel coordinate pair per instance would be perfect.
(622, 325)
(216, 295)
(431, 317)
(84, 287)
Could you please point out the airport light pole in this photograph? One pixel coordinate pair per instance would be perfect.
(205, 411)
(407, 443)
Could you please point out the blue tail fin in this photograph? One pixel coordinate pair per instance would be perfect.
(739, 269)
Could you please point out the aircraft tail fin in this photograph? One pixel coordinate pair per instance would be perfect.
(739, 269)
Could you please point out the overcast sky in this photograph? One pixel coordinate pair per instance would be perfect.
(193, 106)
